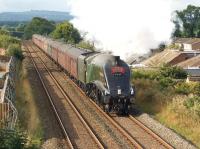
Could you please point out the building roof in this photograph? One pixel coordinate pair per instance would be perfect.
(193, 72)
(187, 40)
(161, 58)
(192, 62)
(181, 40)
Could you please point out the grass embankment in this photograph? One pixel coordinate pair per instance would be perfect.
(28, 116)
(173, 102)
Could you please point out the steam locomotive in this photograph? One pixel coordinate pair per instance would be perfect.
(103, 77)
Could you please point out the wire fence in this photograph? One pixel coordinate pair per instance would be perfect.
(8, 112)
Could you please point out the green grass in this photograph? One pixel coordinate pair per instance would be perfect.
(28, 117)
(167, 106)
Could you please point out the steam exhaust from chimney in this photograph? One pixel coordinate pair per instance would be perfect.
(124, 26)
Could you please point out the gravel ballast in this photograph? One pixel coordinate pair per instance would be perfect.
(167, 134)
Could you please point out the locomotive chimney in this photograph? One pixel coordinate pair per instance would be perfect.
(117, 58)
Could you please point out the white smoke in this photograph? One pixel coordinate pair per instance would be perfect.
(124, 26)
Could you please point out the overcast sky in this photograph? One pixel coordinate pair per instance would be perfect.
(22, 5)
(62, 5)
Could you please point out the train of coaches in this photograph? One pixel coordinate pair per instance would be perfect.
(103, 77)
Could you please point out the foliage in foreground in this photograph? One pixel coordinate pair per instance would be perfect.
(14, 139)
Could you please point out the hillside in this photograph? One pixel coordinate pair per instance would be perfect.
(28, 15)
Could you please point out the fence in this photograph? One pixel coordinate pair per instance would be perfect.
(8, 112)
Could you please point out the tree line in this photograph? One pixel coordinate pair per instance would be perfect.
(64, 31)
(187, 22)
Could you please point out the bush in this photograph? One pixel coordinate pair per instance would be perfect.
(14, 139)
(165, 82)
(142, 74)
(86, 45)
(183, 88)
(193, 104)
(10, 139)
(173, 72)
(197, 89)
(6, 40)
(4, 32)
(15, 50)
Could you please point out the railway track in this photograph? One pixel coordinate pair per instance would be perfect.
(125, 141)
(85, 138)
(141, 133)
(135, 131)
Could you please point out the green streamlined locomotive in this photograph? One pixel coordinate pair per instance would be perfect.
(103, 77)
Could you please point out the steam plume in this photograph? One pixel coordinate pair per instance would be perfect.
(124, 26)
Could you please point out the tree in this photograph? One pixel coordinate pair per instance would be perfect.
(162, 46)
(6, 40)
(67, 32)
(38, 26)
(21, 27)
(86, 45)
(15, 50)
(4, 32)
(189, 20)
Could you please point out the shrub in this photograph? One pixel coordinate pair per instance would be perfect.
(4, 32)
(15, 50)
(14, 139)
(183, 88)
(193, 104)
(165, 82)
(173, 72)
(11, 139)
(6, 40)
(142, 74)
(197, 89)
(86, 45)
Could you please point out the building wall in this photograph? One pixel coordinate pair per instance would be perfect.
(187, 46)
(196, 46)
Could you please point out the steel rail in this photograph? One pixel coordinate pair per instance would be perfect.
(150, 132)
(51, 101)
(89, 129)
(117, 126)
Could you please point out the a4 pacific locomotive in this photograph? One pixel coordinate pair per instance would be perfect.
(103, 77)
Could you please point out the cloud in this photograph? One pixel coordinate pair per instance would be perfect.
(126, 26)
(21, 5)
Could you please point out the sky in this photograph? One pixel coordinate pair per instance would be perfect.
(62, 5)
(121, 26)
(22, 5)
